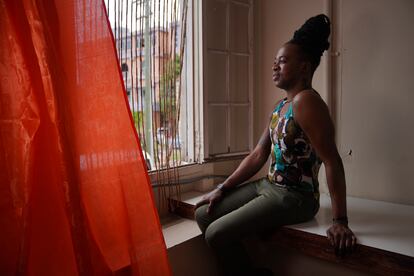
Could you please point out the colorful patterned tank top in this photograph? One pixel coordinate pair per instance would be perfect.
(294, 162)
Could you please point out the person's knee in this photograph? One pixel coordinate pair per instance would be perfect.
(216, 236)
(200, 213)
(202, 217)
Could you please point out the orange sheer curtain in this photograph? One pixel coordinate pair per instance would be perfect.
(75, 197)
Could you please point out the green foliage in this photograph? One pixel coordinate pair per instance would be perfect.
(168, 86)
(138, 117)
(172, 70)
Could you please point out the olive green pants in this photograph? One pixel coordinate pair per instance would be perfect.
(253, 208)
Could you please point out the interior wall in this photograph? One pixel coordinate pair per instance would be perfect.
(193, 257)
(375, 97)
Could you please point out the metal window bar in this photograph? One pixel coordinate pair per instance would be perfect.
(146, 40)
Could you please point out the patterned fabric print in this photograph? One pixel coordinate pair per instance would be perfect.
(294, 162)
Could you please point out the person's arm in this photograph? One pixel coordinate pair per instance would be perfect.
(250, 165)
(312, 114)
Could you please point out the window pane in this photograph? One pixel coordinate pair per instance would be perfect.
(239, 79)
(217, 130)
(148, 39)
(216, 77)
(216, 24)
(239, 131)
(239, 28)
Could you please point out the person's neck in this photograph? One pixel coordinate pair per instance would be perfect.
(292, 92)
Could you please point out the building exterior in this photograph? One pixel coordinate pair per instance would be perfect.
(163, 74)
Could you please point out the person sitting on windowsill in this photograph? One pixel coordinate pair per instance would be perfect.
(299, 137)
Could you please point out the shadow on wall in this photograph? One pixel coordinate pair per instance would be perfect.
(192, 257)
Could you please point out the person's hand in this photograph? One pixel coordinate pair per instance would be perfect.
(211, 198)
(341, 238)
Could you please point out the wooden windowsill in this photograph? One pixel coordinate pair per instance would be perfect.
(177, 230)
(384, 232)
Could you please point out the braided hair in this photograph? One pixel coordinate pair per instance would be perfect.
(312, 38)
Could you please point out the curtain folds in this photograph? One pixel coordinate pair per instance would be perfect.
(75, 197)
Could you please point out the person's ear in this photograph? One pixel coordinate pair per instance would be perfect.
(306, 67)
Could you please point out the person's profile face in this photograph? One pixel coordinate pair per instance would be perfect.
(287, 66)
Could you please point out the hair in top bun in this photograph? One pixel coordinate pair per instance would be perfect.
(312, 38)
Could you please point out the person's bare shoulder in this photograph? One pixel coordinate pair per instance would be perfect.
(311, 112)
(308, 97)
(308, 103)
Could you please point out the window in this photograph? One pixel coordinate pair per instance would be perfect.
(215, 102)
(153, 64)
(128, 43)
(141, 42)
(228, 79)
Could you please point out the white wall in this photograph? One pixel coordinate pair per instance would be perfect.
(375, 91)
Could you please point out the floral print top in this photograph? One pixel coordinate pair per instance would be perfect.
(294, 163)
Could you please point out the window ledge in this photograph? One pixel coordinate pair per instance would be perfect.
(226, 157)
(177, 230)
(384, 232)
